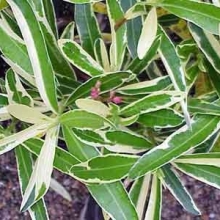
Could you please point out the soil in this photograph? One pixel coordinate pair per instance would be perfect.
(207, 198)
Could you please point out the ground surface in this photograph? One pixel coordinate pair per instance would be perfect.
(207, 198)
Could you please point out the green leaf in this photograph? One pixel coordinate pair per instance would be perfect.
(68, 32)
(114, 200)
(153, 102)
(76, 147)
(108, 82)
(10, 142)
(133, 28)
(24, 164)
(148, 33)
(181, 141)
(164, 118)
(101, 54)
(3, 100)
(205, 15)
(146, 87)
(87, 27)
(118, 46)
(28, 114)
(14, 50)
(212, 159)
(173, 66)
(41, 175)
(76, 55)
(128, 139)
(202, 107)
(82, 119)
(63, 161)
(93, 106)
(46, 13)
(208, 44)
(137, 66)
(155, 201)
(60, 65)
(208, 145)
(205, 173)
(15, 90)
(139, 192)
(173, 183)
(98, 169)
(37, 51)
(90, 137)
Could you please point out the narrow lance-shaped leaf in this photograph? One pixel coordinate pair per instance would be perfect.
(24, 164)
(37, 51)
(178, 143)
(146, 87)
(148, 33)
(93, 106)
(114, 200)
(128, 139)
(173, 183)
(41, 175)
(173, 66)
(10, 142)
(63, 160)
(118, 45)
(205, 173)
(60, 65)
(98, 169)
(155, 201)
(137, 66)
(164, 118)
(171, 61)
(153, 102)
(87, 27)
(133, 28)
(45, 11)
(28, 114)
(203, 14)
(82, 119)
(101, 54)
(199, 106)
(139, 193)
(209, 45)
(68, 32)
(15, 90)
(212, 159)
(14, 50)
(76, 55)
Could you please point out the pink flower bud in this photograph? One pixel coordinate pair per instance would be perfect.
(94, 93)
(117, 100)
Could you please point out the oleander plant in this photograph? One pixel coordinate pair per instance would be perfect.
(123, 109)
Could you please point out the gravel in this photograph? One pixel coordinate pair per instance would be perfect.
(207, 198)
